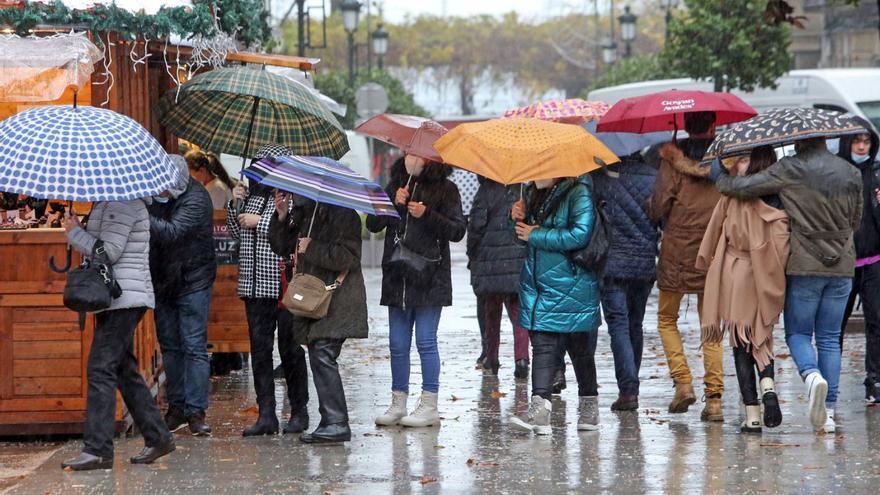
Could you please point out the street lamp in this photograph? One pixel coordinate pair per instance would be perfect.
(627, 29)
(609, 51)
(670, 4)
(351, 11)
(380, 43)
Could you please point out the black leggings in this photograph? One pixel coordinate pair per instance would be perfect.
(745, 374)
(548, 350)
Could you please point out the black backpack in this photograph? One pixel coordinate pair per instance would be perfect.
(594, 255)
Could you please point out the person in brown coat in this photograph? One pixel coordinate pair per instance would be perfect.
(683, 201)
(745, 250)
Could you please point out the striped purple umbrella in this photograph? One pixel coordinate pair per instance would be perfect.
(322, 180)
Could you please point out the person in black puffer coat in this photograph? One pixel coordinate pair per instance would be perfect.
(631, 267)
(495, 259)
(861, 151)
(430, 209)
(183, 269)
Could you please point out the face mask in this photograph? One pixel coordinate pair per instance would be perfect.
(160, 199)
(544, 183)
(860, 158)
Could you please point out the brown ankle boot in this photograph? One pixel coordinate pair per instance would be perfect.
(713, 410)
(684, 397)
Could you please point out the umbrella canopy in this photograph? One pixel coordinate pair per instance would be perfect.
(81, 154)
(517, 150)
(664, 111)
(571, 111)
(322, 180)
(468, 183)
(627, 143)
(781, 126)
(413, 135)
(238, 110)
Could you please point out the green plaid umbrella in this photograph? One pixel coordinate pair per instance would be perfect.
(238, 110)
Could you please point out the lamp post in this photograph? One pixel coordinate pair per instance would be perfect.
(351, 11)
(627, 30)
(380, 44)
(609, 51)
(670, 4)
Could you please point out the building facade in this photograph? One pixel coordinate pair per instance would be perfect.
(836, 35)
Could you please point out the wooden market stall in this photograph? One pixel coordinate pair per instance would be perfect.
(43, 353)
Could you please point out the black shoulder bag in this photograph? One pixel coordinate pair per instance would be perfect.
(404, 257)
(91, 287)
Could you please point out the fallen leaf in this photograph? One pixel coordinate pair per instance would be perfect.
(373, 434)
(427, 480)
(497, 395)
(249, 411)
(454, 398)
(471, 461)
(783, 355)
(68, 469)
(439, 447)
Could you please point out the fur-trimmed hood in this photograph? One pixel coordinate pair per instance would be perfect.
(680, 162)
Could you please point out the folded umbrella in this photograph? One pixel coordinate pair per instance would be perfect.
(664, 111)
(571, 111)
(779, 127)
(413, 135)
(322, 180)
(515, 150)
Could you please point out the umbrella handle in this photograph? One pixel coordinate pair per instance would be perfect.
(66, 267)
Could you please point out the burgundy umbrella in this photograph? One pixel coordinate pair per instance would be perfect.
(664, 111)
(413, 135)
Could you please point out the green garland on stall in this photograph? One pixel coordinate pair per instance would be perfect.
(244, 19)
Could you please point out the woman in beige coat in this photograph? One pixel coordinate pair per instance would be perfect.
(745, 249)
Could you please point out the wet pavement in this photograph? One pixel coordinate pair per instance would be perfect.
(475, 451)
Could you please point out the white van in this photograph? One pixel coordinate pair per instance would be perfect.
(856, 91)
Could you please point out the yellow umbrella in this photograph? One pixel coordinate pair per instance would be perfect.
(517, 150)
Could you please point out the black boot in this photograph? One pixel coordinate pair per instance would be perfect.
(87, 462)
(197, 425)
(490, 367)
(175, 419)
(337, 433)
(150, 454)
(559, 381)
(298, 422)
(331, 395)
(267, 424)
(521, 372)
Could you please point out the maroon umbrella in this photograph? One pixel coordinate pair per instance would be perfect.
(413, 135)
(664, 111)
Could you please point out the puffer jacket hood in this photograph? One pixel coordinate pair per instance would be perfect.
(867, 236)
(557, 295)
(182, 182)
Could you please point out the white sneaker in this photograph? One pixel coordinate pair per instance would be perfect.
(817, 389)
(395, 411)
(537, 419)
(830, 426)
(425, 414)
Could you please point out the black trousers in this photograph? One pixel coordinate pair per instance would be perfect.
(481, 322)
(264, 316)
(745, 374)
(325, 372)
(112, 365)
(866, 285)
(548, 350)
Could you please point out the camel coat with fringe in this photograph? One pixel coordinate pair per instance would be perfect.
(745, 249)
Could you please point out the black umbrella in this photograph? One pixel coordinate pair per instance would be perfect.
(780, 127)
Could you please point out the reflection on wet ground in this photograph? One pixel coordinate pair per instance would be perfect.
(475, 452)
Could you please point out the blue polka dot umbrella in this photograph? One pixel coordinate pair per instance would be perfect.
(81, 154)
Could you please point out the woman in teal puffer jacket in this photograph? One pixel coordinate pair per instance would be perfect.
(560, 300)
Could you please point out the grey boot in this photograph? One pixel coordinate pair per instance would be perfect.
(537, 419)
(588, 418)
(395, 411)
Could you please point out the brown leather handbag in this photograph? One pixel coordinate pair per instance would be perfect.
(309, 297)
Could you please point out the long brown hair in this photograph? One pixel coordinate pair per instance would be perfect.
(761, 158)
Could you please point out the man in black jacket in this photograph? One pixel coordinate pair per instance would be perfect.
(183, 269)
(861, 151)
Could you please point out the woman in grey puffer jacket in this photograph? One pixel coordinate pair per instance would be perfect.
(124, 229)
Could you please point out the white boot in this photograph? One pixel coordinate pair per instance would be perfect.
(830, 425)
(752, 423)
(395, 411)
(425, 414)
(817, 389)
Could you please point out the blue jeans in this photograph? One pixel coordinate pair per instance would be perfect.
(426, 319)
(623, 306)
(815, 305)
(182, 329)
